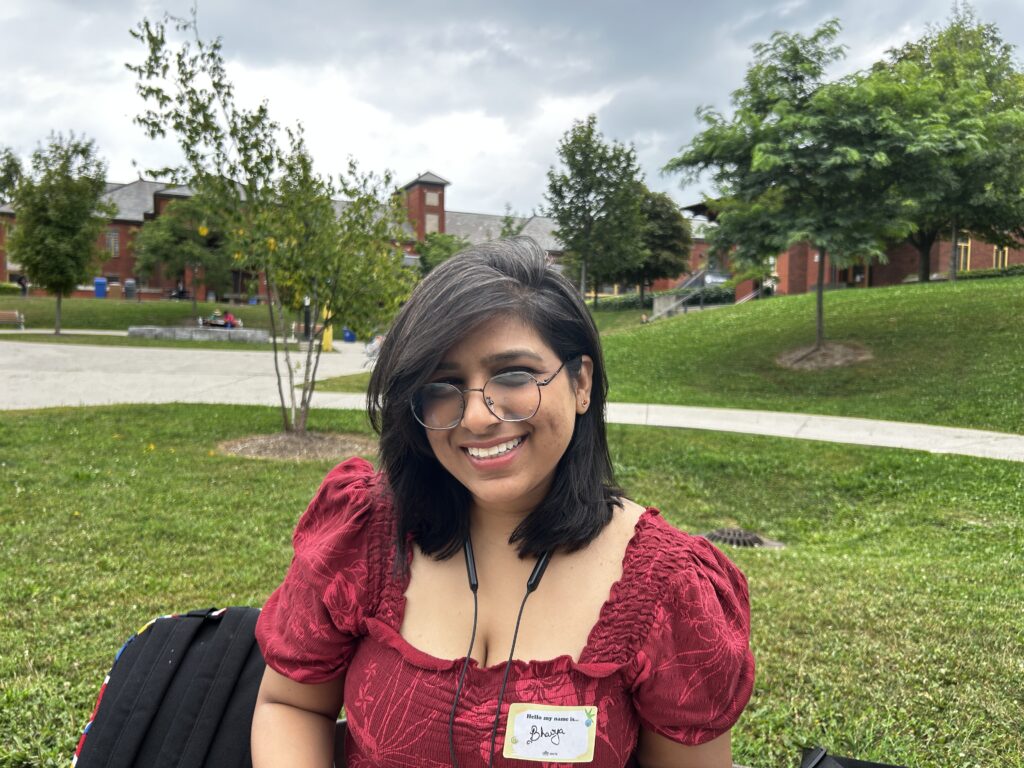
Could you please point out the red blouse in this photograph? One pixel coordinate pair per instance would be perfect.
(670, 650)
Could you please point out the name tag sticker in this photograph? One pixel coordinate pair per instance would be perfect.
(545, 733)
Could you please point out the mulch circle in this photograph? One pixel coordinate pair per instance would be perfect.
(300, 446)
(831, 355)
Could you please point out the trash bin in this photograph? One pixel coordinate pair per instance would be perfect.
(129, 288)
(348, 335)
(99, 286)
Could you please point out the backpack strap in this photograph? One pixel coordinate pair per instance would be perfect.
(197, 721)
(130, 702)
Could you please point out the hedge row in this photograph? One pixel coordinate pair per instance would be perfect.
(1017, 270)
(9, 289)
(713, 294)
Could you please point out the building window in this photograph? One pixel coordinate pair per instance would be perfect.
(112, 279)
(432, 223)
(1001, 257)
(113, 243)
(963, 254)
(433, 199)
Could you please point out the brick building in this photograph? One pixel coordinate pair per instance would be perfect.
(796, 270)
(140, 201)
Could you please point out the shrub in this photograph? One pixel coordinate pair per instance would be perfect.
(9, 289)
(1015, 270)
(713, 294)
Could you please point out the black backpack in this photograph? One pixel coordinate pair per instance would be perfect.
(181, 694)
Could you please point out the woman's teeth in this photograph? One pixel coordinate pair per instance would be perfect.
(494, 450)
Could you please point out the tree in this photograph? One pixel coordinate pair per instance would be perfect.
(596, 199)
(437, 247)
(60, 215)
(185, 238)
(10, 173)
(279, 218)
(512, 223)
(962, 94)
(339, 288)
(667, 242)
(801, 160)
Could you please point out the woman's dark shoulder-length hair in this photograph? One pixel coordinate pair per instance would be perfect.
(510, 277)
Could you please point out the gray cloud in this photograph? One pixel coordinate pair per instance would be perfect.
(645, 68)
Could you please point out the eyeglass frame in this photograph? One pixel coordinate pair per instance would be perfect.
(487, 405)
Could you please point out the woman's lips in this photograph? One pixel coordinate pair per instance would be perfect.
(498, 461)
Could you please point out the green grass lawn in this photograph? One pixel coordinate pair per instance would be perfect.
(890, 627)
(353, 382)
(611, 322)
(118, 314)
(943, 354)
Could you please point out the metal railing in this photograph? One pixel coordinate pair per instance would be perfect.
(696, 277)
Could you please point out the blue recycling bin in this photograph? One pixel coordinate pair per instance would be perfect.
(348, 335)
(99, 286)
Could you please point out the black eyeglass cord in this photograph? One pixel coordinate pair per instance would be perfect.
(531, 585)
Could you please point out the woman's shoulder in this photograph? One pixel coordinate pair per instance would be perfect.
(664, 569)
(350, 511)
(692, 670)
(679, 561)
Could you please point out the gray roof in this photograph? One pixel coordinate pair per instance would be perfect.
(427, 178)
(543, 230)
(481, 227)
(134, 200)
(182, 191)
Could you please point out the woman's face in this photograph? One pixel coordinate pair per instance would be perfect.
(518, 477)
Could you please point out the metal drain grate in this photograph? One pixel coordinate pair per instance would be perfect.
(737, 537)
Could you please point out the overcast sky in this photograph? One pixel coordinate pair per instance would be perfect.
(477, 92)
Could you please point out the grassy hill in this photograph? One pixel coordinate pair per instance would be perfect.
(943, 354)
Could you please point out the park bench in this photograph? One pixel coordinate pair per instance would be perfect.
(12, 317)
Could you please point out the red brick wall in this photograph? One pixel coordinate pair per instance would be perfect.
(698, 259)
(416, 203)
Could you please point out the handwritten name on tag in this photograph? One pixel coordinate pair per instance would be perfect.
(542, 732)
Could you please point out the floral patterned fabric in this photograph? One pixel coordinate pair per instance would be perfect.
(670, 650)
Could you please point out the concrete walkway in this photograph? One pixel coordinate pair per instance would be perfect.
(47, 375)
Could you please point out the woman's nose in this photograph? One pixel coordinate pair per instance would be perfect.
(476, 416)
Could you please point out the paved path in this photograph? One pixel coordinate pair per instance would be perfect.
(46, 375)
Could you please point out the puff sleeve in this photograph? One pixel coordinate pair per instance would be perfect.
(310, 626)
(695, 670)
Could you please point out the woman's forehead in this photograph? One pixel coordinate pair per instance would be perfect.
(500, 339)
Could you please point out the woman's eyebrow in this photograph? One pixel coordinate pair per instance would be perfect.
(496, 358)
(511, 354)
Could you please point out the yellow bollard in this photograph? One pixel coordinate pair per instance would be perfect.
(327, 341)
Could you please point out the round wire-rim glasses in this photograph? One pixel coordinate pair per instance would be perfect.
(510, 396)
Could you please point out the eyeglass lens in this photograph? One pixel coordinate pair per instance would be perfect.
(513, 396)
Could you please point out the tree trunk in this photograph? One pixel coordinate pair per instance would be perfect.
(820, 304)
(923, 242)
(56, 322)
(642, 286)
(195, 308)
(583, 278)
(595, 295)
(285, 423)
(953, 255)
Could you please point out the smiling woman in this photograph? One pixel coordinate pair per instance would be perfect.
(596, 632)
